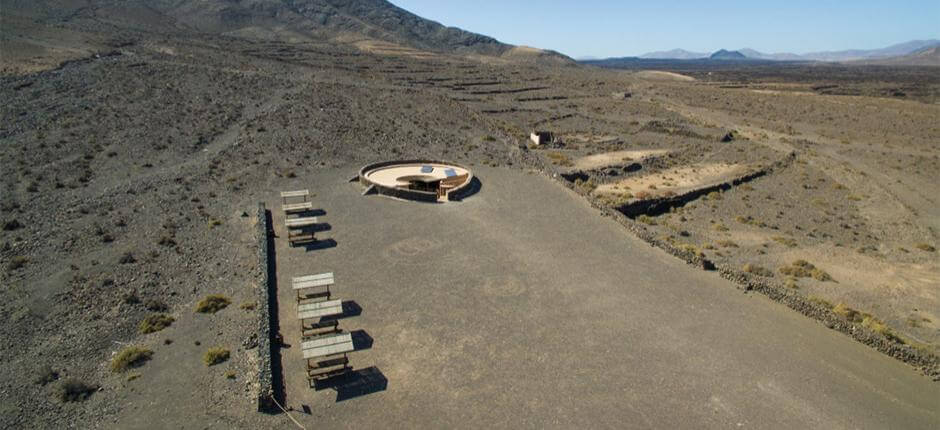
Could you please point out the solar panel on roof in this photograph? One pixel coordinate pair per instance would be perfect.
(426, 169)
(450, 173)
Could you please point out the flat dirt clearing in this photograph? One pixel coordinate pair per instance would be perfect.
(677, 179)
(521, 307)
(616, 157)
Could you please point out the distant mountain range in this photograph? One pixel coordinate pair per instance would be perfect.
(901, 49)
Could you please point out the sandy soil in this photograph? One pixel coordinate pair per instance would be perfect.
(676, 180)
(615, 158)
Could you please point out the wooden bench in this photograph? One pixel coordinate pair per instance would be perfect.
(327, 346)
(298, 230)
(331, 352)
(300, 223)
(327, 368)
(313, 286)
(297, 208)
(307, 311)
(294, 194)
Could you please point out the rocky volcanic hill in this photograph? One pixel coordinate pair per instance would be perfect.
(40, 34)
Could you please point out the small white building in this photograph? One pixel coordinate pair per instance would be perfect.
(541, 137)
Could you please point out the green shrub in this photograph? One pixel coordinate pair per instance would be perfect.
(132, 356)
(212, 304)
(925, 247)
(154, 323)
(215, 356)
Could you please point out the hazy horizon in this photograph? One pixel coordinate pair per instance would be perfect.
(607, 28)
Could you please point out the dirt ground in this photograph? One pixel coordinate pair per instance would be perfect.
(481, 311)
(131, 173)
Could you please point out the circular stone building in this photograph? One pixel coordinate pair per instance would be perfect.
(421, 180)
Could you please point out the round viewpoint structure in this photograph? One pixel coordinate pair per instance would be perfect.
(420, 180)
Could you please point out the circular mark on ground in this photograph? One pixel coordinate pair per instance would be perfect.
(505, 287)
(411, 248)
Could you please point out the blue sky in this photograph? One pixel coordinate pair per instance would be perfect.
(609, 28)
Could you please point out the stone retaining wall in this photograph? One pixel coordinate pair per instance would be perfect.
(265, 295)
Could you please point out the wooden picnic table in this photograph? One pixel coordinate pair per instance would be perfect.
(326, 275)
(293, 208)
(328, 345)
(320, 309)
(322, 282)
(294, 194)
(301, 222)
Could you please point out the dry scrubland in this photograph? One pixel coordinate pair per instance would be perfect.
(128, 179)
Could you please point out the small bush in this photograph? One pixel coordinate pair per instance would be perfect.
(726, 244)
(16, 263)
(785, 241)
(127, 258)
(848, 313)
(45, 375)
(248, 306)
(132, 356)
(73, 390)
(155, 323)
(820, 301)
(166, 240)
(230, 374)
(155, 305)
(12, 225)
(646, 219)
(758, 270)
(925, 247)
(212, 304)
(804, 269)
(692, 249)
(130, 298)
(559, 159)
(215, 356)
(878, 326)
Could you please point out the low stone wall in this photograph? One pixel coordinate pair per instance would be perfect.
(422, 196)
(662, 205)
(265, 333)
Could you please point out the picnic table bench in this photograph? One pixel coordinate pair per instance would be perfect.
(307, 311)
(331, 350)
(299, 223)
(295, 208)
(294, 194)
(298, 229)
(313, 286)
(327, 346)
